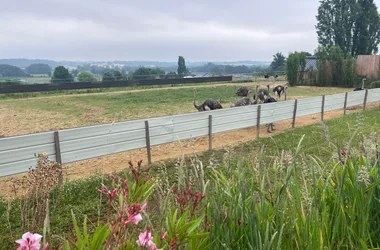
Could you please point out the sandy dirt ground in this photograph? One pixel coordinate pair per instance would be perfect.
(118, 162)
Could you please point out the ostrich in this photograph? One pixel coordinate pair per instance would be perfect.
(362, 88)
(266, 76)
(242, 91)
(260, 96)
(244, 101)
(264, 91)
(206, 105)
(279, 89)
(270, 125)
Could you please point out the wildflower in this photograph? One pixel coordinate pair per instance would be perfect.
(111, 194)
(134, 215)
(46, 246)
(363, 177)
(163, 236)
(29, 241)
(145, 239)
(344, 152)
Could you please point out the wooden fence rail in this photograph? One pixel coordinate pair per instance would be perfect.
(77, 144)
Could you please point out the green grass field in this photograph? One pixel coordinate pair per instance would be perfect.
(82, 196)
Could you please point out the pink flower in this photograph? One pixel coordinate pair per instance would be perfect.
(136, 219)
(153, 247)
(46, 246)
(163, 236)
(145, 239)
(344, 152)
(29, 241)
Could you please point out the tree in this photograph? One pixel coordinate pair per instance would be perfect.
(39, 69)
(352, 25)
(306, 53)
(86, 76)
(278, 62)
(11, 71)
(61, 74)
(108, 77)
(296, 62)
(181, 66)
(118, 76)
(147, 73)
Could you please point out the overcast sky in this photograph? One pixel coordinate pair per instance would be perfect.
(200, 30)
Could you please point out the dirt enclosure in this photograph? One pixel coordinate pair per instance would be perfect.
(118, 162)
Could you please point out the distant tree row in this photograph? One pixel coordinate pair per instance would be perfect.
(11, 71)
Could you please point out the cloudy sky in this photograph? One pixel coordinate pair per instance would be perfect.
(200, 30)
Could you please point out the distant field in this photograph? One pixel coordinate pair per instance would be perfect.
(23, 116)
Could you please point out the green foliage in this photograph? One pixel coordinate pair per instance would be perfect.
(11, 71)
(352, 25)
(279, 62)
(295, 63)
(86, 76)
(147, 73)
(39, 69)
(335, 67)
(108, 77)
(61, 75)
(182, 70)
(85, 240)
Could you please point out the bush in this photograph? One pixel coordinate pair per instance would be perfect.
(86, 76)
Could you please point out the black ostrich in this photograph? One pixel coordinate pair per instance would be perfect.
(362, 88)
(242, 91)
(206, 105)
(270, 125)
(244, 101)
(279, 89)
(266, 76)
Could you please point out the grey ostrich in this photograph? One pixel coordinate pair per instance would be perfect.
(242, 91)
(206, 105)
(244, 101)
(362, 88)
(270, 125)
(264, 91)
(259, 96)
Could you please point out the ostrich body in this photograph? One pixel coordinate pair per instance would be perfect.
(279, 89)
(362, 88)
(270, 125)
(262, 90)
(206, 105)
(243, 102)
(243, 91)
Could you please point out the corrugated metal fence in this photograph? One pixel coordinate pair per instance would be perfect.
(72, 145)
(12, 88)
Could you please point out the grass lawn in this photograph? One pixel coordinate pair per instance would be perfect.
(82, 196)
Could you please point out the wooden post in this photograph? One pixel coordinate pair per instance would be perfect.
(285, 93)
(58, 157)
(258, 122)
(210, 132)
(294, 113)
(365, 99)
(345, 102)
(147, 138)
(323, 107)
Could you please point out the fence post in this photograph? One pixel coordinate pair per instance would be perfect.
(345, 102)
(294, 113)
(210, 132)
(323, 107)
(58, 157)
(258, 122)
(365, 99)
(147, 138)
(285, 93)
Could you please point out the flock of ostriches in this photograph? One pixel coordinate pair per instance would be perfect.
(261, 95)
